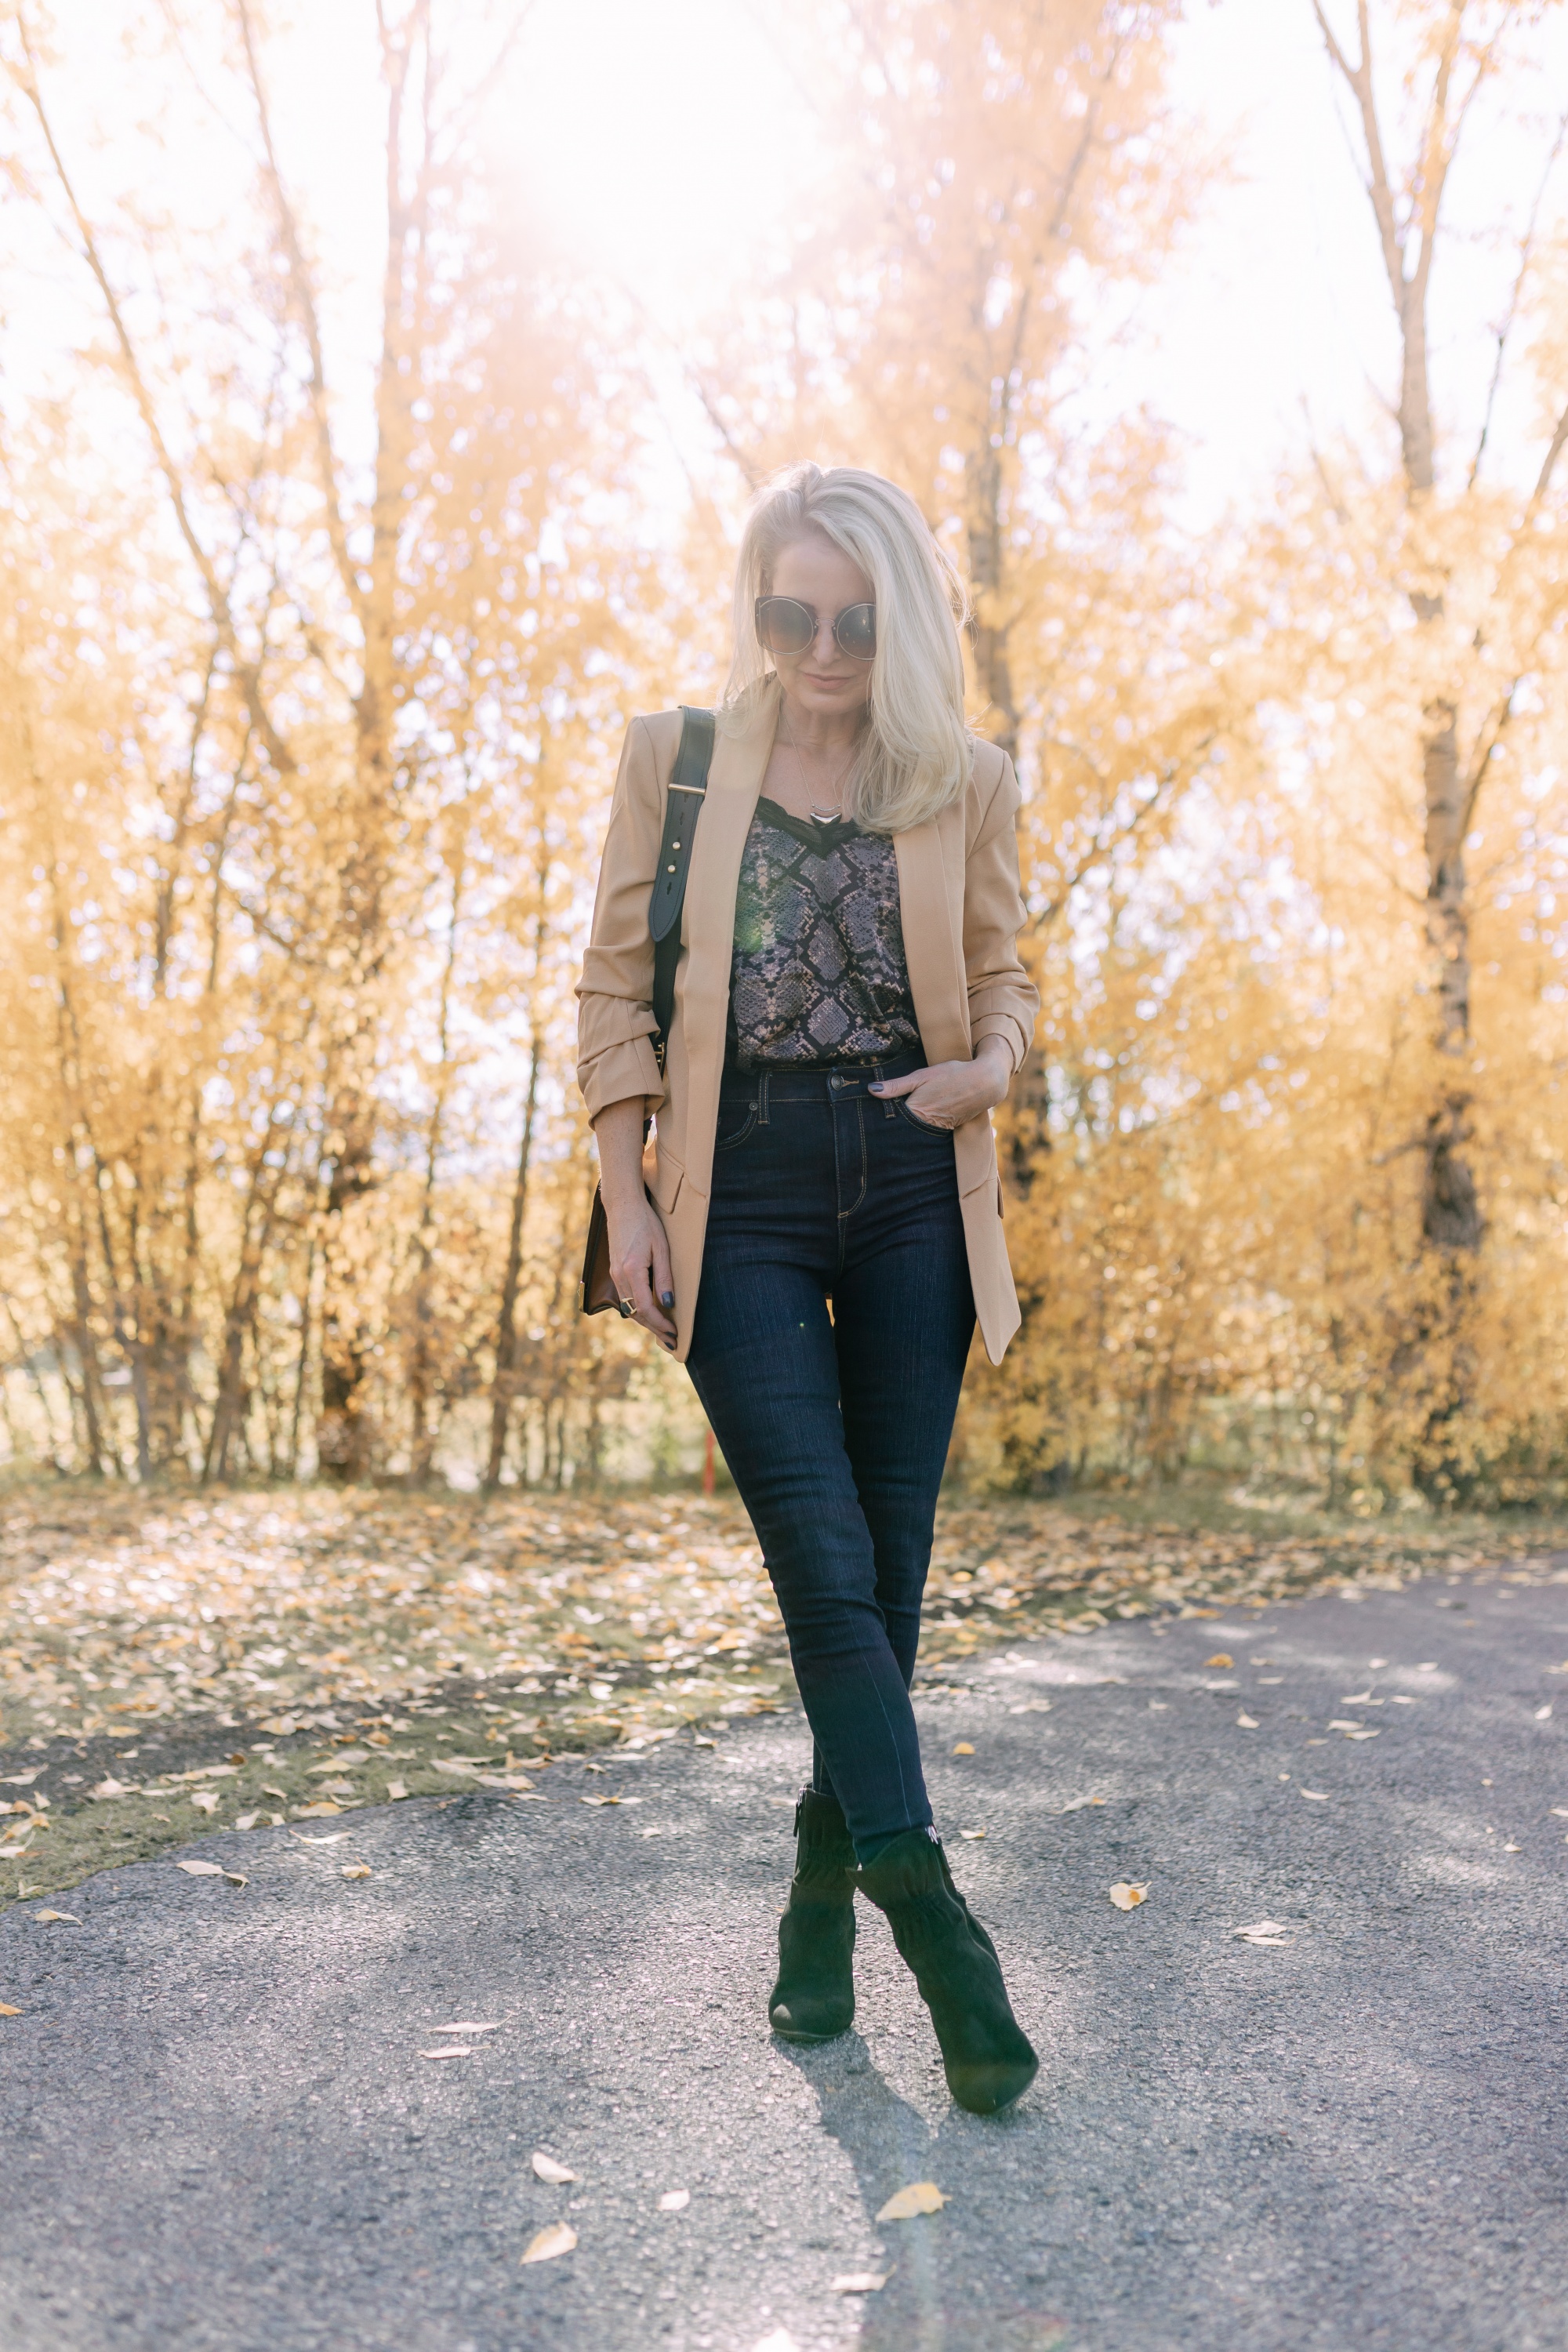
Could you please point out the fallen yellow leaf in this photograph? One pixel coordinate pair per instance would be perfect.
(964, 1749)
(395, 1788)
(546, 2168)
(453, 2049)
(675, 2200)
(920, 2196)
(356, 1870)
(201, 1869)
(1319, 1796)
(858, 2283)
(317, 1811)
(972, 1834)
(68, 1917)
(1220, 1658)
(559, 2239)
(8, 2011)
(1247, 1722)
(1126, 1897)
(1263, 1931)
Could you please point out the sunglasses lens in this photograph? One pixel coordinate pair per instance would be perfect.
(857, 631)
(782, 625)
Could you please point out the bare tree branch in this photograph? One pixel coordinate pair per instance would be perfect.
(303, 292)
(1161, 796)
(1548, 467)
(459, 118)
(218, 605)
(1379, 188)
(1526, 255)
(1437, 155)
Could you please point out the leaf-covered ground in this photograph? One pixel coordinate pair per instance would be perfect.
(173, 1665)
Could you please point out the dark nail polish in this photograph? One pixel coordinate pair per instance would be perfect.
(875, 1087)
(667, 1298)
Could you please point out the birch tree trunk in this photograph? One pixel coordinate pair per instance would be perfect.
(1407, 232)
(506, 1324)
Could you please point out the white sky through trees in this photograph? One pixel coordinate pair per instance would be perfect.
(670, 143)
(669, 148)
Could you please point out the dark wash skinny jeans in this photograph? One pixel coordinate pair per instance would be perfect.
(836, 1427)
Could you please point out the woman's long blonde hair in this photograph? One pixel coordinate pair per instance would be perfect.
(916, 752)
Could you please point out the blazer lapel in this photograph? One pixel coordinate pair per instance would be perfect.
(933, 951)
(708, 920)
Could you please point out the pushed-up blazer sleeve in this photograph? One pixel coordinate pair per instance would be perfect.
(615, 1060)
(1003, 999)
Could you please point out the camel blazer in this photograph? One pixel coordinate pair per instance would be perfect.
(962, 908)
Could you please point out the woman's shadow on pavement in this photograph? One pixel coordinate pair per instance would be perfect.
(953, 2284)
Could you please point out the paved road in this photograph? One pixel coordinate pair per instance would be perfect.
(219, 2131)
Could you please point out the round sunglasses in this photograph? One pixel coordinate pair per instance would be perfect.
(785, 626)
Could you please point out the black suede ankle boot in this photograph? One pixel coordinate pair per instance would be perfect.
(814, 1999)
(987, 2055)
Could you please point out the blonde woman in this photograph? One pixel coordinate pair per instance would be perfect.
(816, 1224)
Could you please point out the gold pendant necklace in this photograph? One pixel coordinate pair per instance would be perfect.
(820, 815)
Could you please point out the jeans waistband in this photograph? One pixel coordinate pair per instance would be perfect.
(822, 1082)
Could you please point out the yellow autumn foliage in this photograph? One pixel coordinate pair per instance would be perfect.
(324, 607)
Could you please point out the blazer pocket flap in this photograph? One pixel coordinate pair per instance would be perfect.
(665, 1182)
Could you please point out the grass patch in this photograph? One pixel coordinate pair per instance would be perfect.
(174, 1666)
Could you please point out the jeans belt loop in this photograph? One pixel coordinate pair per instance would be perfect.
(763, 1097)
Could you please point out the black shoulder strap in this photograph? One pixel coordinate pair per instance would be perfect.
(683, 807)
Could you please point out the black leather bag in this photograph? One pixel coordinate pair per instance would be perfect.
(683, 807)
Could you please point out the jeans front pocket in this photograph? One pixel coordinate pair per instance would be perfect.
(920, 1126)
(736, 1119)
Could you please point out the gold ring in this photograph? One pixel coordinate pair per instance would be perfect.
(628, 1307)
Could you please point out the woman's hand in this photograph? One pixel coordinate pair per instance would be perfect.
(948, 1093)
(639, 1260)
(639, 1247)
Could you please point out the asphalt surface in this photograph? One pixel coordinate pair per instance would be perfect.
(218, 2130)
